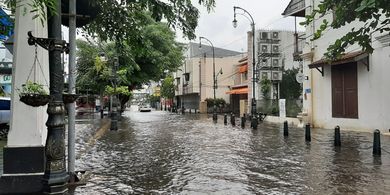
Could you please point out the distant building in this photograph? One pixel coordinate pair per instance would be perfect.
(274, 49)
(194, 80)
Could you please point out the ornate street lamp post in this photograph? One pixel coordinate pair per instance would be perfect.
(55, 177)
(215, 117)
(253, 102)
(114, 111)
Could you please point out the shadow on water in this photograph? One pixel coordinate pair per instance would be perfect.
(161, 152)
(2, 144)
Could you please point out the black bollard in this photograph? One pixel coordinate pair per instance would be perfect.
(189, 111)
(337, 137)
(233, 120)
(285, 128)
(254, 123)
(376, 150)
(225, 119)
(243, 122)
(307, 133)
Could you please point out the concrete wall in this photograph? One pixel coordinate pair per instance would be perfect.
(373, 93)
(224, 81)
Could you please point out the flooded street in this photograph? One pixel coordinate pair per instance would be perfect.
(165, 153)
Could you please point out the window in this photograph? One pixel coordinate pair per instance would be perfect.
(245, 76)
(264, 35)
(178, 80)
(344, 91)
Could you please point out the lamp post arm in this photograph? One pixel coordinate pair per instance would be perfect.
(252, 21)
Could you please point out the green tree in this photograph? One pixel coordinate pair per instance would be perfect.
(289, 87)
(265, 88)
(374, 16)
(160, 52)
(168, 87)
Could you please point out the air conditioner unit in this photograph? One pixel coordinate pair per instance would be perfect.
(277, 76)
(275, 35)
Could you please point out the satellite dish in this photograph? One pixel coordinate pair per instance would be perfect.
(299, 77)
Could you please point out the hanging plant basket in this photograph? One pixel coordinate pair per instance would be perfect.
(34, 100)
(69, 98)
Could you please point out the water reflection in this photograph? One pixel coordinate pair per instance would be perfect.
(160, 152)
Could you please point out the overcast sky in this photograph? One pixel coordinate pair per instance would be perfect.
(217, 25)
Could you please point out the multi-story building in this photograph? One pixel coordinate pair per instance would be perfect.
(350, 91)
(194, 80)
(274, 53)
(239, 91)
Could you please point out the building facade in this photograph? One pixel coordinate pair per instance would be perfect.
(351, 91)
(194, 80)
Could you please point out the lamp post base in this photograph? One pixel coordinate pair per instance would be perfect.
(215, 117)
(254, 123)
(114, 122)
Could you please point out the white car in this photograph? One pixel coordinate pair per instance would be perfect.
(5, 110)
(144, 108)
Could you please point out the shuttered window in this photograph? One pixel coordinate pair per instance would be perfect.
(344, 91)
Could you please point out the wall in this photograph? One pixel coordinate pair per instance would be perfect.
(373, 93)
(224, 81)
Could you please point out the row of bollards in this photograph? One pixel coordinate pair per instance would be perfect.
(337, 137)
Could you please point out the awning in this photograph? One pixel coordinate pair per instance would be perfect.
(243, 90)
(243, 69)
(346, 58)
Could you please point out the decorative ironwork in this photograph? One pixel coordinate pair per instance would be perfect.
(48, 43)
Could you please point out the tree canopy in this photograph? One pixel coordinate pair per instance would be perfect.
(374, 14)
(123, 19)
(168, 87)
(159, 52)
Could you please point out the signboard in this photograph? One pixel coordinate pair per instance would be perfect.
(5, 79)
(282, 108)
(299, 77)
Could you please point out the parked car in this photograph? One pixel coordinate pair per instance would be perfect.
(144, 108)
(5, 110)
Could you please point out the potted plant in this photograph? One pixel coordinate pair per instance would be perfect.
(33, 94)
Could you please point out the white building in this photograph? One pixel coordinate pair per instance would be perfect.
(194, 80)
(274, 53)
(351, 92)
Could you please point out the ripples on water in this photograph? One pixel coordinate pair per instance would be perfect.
(164, 153)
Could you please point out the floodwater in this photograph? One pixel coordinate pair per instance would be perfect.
(165, 153)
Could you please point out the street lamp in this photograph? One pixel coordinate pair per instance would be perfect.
(253, 104)
(215, 117)
(114, 119)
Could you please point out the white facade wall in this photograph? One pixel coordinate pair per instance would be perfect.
(201, 76)
(373, 93)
